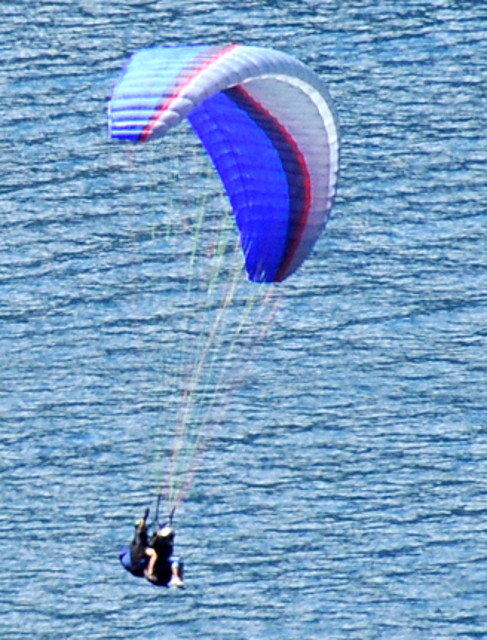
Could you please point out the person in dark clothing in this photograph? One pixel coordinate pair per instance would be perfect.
(162, 569)
(152, 559)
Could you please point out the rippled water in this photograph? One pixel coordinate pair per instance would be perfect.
(346, 495)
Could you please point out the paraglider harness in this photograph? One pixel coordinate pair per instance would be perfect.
(152, 557)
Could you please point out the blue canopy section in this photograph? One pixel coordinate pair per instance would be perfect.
(258, 166)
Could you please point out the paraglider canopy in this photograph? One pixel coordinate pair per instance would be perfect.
(267, 122)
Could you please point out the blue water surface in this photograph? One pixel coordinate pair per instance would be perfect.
(345, 494)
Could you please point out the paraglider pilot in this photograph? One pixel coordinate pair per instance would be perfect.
(152, 558)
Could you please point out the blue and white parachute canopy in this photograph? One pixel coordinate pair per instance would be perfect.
(267, 122)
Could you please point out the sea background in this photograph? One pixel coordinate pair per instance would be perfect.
(344, 496)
